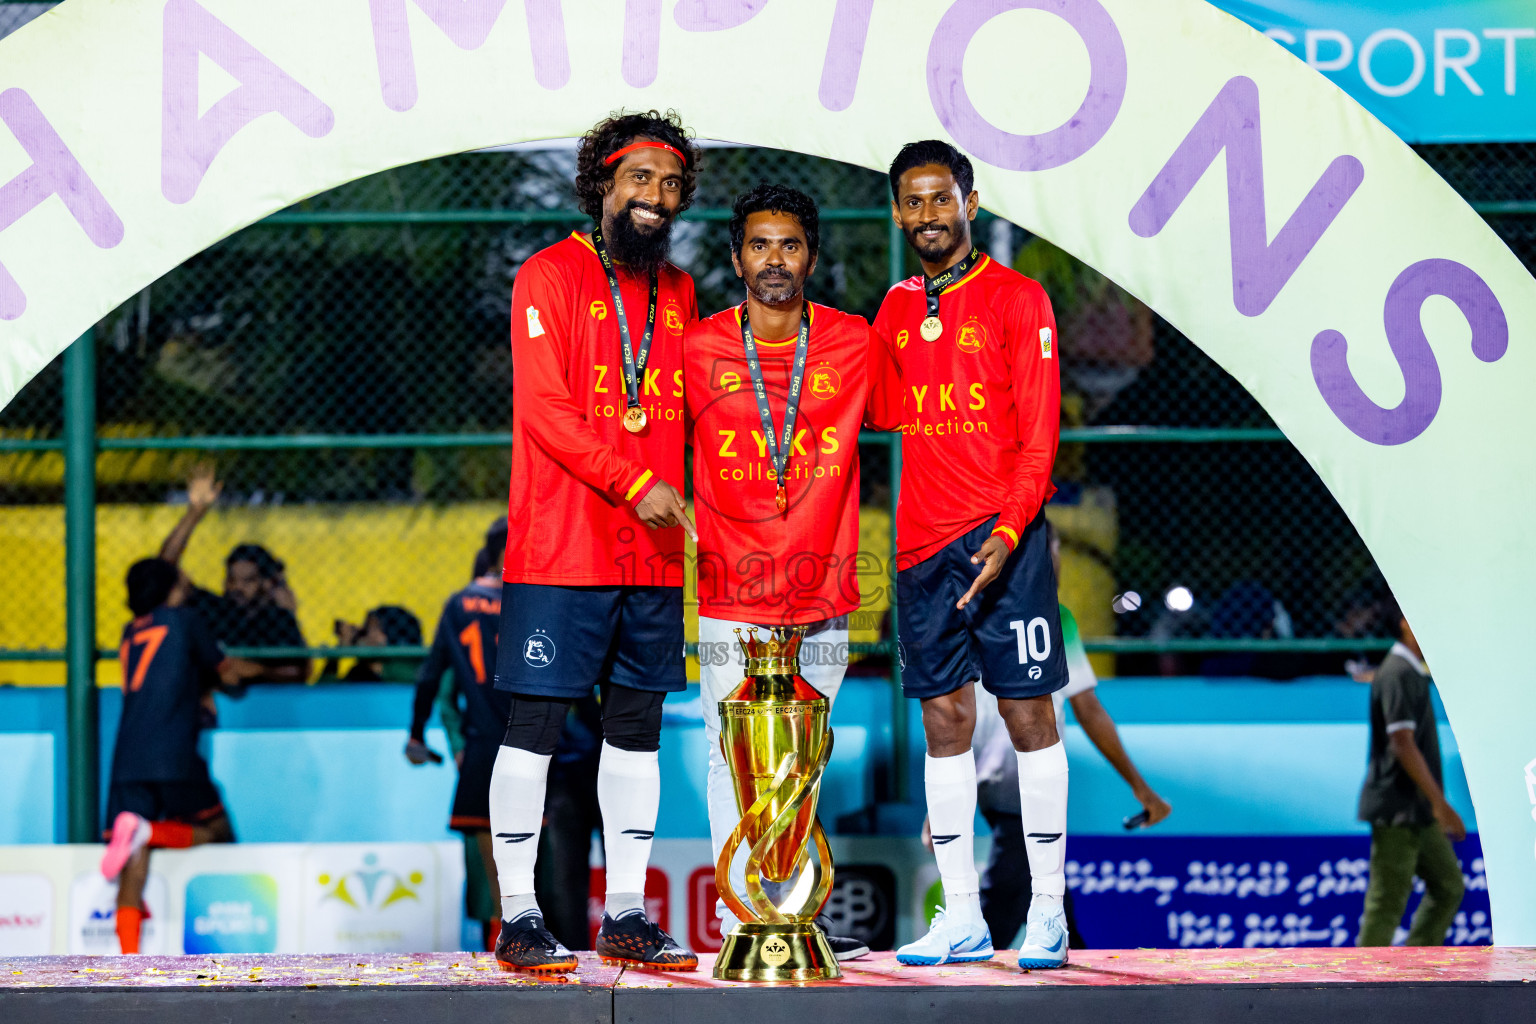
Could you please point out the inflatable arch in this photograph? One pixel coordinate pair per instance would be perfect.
(1255, 206)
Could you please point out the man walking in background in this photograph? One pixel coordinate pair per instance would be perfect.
(1404, 801)
(592, 588)
(974, 345)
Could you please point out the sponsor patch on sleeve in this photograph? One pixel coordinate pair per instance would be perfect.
(1045, 340)
(536, 329)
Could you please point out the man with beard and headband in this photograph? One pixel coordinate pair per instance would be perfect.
(777, 388)
(592, 591)
(974, 345)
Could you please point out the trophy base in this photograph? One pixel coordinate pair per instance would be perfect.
(796, 951)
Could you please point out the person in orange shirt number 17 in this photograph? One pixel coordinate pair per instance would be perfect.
(974, 344)
(777, 388)
(592, 579)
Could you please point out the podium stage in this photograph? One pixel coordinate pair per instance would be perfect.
(1380, 986)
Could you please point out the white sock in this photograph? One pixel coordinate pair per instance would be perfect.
(950, 783)
(517, 812)
(1043, 803)
(628, 794)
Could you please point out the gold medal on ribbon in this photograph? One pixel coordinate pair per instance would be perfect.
(931, 329)
(634, 420)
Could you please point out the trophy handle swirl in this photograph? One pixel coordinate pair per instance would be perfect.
(763, 909)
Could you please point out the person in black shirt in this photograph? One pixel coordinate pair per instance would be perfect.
(387, 625)
(257, 607)
(161, 794)
(465, 645)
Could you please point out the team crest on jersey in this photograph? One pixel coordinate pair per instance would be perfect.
(972, 336)
(598, 309)
(1045, 343)
(901, 338)
(535, 329)
(539, 649)
(825, 381)
(674, 320)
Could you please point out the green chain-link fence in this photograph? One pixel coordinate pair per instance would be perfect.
(345, 362)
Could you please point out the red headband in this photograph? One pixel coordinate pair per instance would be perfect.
(646, 144)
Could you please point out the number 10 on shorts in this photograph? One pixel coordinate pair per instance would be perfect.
(1034, 639)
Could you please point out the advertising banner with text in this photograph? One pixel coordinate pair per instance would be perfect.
(1432, 72)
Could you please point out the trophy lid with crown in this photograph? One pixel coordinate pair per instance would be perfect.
(773, 666)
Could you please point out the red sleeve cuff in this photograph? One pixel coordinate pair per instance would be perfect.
(1009, 537)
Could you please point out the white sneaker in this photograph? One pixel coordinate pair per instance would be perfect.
(1045, 935)
(949, 941)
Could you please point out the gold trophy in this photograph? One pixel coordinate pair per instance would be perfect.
(774, 734)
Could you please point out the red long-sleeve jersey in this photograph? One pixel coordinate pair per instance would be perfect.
(981, 407)
(756, 564)
(576, 472)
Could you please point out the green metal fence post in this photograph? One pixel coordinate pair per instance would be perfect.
(80, 586)
(901, 790)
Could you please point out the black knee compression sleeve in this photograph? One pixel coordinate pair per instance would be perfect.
(632, 718)
(534, 723)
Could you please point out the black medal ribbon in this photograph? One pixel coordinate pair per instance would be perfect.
(932, 286)
(633, 366)
(778, 446)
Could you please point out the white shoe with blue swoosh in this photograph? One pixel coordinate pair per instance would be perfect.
(1045, 935)
(949, 941)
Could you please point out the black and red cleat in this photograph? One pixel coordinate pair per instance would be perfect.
(526, 945)
(633, 941)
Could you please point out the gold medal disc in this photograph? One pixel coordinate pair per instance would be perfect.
(634, 420)
(931, 329)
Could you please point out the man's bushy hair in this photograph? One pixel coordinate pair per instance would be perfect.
(933, 151)
(268, 565)
(150, 582)
(594, 178)
(775, 199)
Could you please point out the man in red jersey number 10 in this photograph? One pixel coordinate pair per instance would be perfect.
(974, 345)
(777, 389)
(592, 589)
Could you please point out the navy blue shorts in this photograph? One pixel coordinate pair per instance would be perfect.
(195, 801)
(563, 641)
(472, 797)
(1008, 637)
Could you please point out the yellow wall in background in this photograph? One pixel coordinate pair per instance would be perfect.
(342, 560)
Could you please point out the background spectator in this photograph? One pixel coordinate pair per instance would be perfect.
(257, 607)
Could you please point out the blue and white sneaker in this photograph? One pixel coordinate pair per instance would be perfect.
(1045, 935)
(949, 941)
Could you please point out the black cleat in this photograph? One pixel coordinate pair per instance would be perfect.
(633, 941)
(844, 947)
(526, 945)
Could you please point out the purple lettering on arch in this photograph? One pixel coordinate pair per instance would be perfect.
(845, 53)
(642, 41)
(188, 143)
(466, 23)
(1082, 131)
(546, 36)
(715, 15)
(1260, 268)
(1405, 336)
(54, 171)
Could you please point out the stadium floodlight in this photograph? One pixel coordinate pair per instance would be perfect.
(1179, 599)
